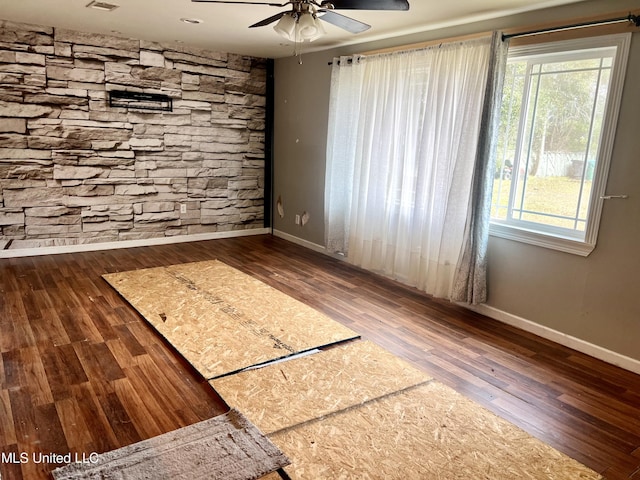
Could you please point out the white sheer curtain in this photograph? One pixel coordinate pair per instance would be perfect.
(402, 144)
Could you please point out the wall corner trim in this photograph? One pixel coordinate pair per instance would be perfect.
(147, 242)
(596, 351)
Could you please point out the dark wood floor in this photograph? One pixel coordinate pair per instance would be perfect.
(82, 372)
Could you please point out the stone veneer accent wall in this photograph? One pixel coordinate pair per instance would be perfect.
(73, 170)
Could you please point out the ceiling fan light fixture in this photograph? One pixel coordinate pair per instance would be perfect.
(302, 23)
(286, 27)
(309, 27)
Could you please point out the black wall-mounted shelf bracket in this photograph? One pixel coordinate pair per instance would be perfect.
(140, 100)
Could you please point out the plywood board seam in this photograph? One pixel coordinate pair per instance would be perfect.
(351, 408)
(230, 310)
(286, 358)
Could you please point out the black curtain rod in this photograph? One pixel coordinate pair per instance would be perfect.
(635, 19)
(629, 18)
(349, 60)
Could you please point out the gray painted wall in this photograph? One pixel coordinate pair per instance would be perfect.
(594, 299)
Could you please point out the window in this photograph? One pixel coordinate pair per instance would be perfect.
(559, 110)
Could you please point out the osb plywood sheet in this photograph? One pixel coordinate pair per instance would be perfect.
(285, 394)
(227, 446)
(429, 432)
(222, 320)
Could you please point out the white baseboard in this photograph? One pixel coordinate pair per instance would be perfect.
(299, 241)
(145, 242)
(578, 344)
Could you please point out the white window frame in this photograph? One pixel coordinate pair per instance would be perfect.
(546, 236)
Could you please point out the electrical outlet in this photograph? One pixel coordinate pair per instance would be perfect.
(183, 208)
(297, 219)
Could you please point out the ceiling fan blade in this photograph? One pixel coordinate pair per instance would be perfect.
(269, 20)
(346, 23)
(367, 4)
(244, 3)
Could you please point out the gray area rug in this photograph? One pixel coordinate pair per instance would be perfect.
(226, 447)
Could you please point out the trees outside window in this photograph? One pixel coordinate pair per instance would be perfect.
(558, 117)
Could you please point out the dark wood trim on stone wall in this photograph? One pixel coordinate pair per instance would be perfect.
(268, 144)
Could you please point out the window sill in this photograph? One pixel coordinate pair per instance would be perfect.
(562, 244)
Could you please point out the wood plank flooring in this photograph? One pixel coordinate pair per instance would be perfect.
(82, 372)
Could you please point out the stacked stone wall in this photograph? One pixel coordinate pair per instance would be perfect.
(75, 170)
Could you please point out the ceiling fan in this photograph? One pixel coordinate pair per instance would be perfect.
(301, 22)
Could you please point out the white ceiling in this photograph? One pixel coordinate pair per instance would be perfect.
(224, 27)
